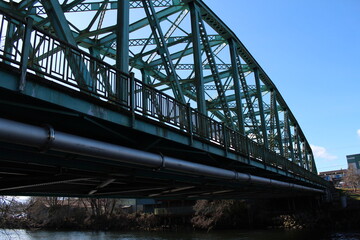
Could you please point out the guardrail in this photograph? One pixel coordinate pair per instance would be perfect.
(33, 50)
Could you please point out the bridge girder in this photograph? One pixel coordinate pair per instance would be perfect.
(163, 51)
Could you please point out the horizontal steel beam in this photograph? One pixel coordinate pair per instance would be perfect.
(46, 137)
(112, 5)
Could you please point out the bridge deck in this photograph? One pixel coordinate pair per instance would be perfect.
(36, 171)
(56, 88)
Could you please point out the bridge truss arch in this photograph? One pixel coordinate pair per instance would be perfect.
(178, 47)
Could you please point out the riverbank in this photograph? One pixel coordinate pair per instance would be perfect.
(333, 219)
(207, 216)
(339, 219)
(213, 235)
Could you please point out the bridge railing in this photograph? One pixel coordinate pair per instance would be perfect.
(33, 50)
(58, 61)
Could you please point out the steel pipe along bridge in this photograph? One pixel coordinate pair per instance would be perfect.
(141, 99)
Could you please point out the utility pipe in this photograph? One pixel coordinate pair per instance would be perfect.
(47, 138)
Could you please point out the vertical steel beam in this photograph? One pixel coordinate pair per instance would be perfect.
(290, 140)
(272, 121)
(312, 163)
(236, 79)
(278, 128)
(94, 71)
(10, 37)
(306, 157)
(145, 93)
(261, 108)
(122, 39)
(298, 146)
(25, 52)
(198, 69)
(122, 45)
(286, 138)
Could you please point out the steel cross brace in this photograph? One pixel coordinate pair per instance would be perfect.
(198, 66)
(62, 29)
(211, 59)
(290, 143)
(272, 123)
(305, 154)
(236, 79)
(298, 147)
(94, 6)
(277, 121)
(170, 31)
(249, 104)
(163, 50)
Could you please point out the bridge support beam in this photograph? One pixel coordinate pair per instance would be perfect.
(261, 108)
(58, 21)
(198, 68)
(40, 137)
(278, 128)
(122, 40)
(290, 139)
(236, 80)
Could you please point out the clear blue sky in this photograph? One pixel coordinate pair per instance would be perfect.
(311, 51)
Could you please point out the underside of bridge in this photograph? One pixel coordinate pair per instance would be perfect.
(200, 114)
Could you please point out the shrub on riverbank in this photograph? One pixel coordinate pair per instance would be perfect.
(329, 219)
(94, 214)
(12, 213)
(106, 214)
(219, 214)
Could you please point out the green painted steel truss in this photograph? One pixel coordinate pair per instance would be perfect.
(179, 47)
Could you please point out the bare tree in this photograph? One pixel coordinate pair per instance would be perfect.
(352, 178)
(102, 206)
(210, 214)
(11, 217)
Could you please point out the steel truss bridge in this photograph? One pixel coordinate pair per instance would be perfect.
(145, 99)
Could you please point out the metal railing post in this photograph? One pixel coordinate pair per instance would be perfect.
(132, 98)
(264, 155)
(189, 122)
(225, 138)
(247, 148)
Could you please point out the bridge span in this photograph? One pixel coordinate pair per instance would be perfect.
(141, 99)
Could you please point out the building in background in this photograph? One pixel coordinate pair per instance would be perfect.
(354, 162)
(335, 176)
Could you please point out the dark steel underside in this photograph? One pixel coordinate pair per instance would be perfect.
(33, 171)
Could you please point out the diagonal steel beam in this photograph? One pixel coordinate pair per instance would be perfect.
(62, 29)
(215, 72)
(288, 135)
(236, 79)
(163, 50)
(43, 184)
(261, 108)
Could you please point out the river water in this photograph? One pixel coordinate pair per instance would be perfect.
(218, 235)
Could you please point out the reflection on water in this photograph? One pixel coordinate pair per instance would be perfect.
(219, 235)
